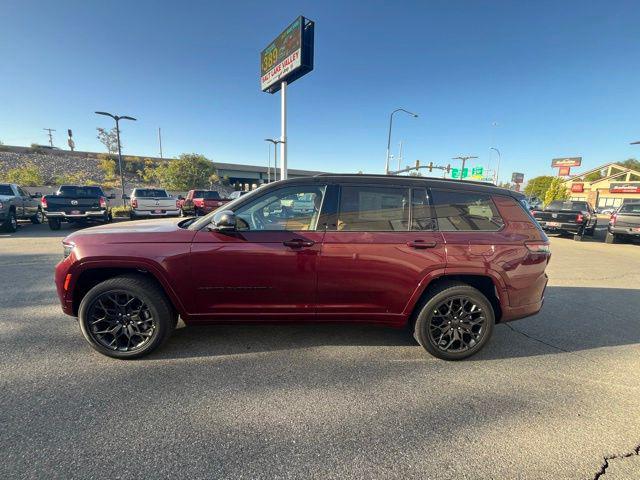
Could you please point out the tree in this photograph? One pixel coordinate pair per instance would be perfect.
(27, 176)
(109, 138)
(593, 176)
(190, 170)
(557, 191)
(538, 186)
(631, 163)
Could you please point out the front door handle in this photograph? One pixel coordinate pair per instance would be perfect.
(421, 244)
(298, 243)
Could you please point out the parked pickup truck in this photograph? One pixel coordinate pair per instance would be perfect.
(152, 202)
(624, 224)
(77, 204)
(18, 204)
(568, 217)
(200, 202)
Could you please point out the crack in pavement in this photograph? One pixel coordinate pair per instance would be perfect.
(605, 464)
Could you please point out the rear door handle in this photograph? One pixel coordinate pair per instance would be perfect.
(421, 244)
(298, 243)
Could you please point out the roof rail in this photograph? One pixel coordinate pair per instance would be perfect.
(382, 175)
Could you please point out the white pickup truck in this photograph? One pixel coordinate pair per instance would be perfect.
(152, 202)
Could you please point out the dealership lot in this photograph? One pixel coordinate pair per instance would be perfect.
(549, 397)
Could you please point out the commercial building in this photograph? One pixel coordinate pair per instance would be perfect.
(616, 186)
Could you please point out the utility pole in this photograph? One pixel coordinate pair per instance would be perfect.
(50, 135)
(400, 156)
(160, 140)
(464, 160)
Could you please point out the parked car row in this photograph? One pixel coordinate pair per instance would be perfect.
(88, 204)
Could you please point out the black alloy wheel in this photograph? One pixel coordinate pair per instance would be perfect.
(11, 223)
(126, 317)
(455, 322)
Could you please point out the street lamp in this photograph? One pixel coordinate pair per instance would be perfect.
(498, 167)
(117, 119)
(634, 143)
(275, 158)
(414, 115)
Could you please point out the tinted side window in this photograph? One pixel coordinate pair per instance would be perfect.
(370, 208)
(421, 210)
(465, 211)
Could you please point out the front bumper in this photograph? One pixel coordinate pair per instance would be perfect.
(63, 268)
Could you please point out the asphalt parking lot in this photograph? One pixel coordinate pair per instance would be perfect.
(552, 396)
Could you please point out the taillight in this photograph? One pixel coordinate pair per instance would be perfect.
(613, 219)
(538, 247)
(103, 202)
(134, 203)
(579, 218)
(44, 202)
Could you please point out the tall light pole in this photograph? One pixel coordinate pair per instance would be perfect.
(117, 118)
(275, 157)
(464, 160)
(498, 167)
(634, 143)
(414, 115)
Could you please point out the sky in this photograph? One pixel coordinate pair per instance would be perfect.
(538, 80)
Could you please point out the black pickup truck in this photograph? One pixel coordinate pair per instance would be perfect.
(624, 223)
(79, 204)
(568, 217)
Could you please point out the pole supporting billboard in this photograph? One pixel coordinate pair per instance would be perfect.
(283, 130)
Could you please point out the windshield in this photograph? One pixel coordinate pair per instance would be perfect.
(149, 193)
(206, 194)
(630, 208)
(6, 190)
(73, 191)
(573, 206)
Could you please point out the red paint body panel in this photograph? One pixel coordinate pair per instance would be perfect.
(337, 276)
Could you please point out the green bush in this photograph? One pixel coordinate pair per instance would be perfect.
(121, 211)
(27, 176)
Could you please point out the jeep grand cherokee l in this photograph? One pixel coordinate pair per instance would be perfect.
(448, 259)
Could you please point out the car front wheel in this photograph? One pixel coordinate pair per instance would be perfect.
(455, 322)
(126, 317)
(11, 222)
(38, 218)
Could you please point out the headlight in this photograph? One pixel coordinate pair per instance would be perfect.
(67, 249)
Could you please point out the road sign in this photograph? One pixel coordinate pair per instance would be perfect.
(517, 177)
(566, 162)
(477, 171)
(455, 173)
(288, 57)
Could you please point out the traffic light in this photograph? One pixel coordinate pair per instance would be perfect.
(431, 166)
(70, 133)
(417, 164)
(449, 168)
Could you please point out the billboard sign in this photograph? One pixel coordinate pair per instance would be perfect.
(564, 171)
(621, 187)
(577, 187)
(517, 177)
(288, 57)
(566, 162)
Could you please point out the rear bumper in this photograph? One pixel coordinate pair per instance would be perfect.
(151, 213)
(522, 311)
(64, 215)
(560, 227)
(624, 231)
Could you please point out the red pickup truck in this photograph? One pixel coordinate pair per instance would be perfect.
(200, 202)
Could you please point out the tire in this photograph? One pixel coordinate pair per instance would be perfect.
(591, 231)
(10, 224)
(38, 218)
(54, 224)
(159, 318)
(438, 297)
(612, 238)
(132, 215)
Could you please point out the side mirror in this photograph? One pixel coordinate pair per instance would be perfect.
(224, 221)
(112, 196)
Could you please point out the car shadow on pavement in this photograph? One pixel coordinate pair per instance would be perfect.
(572, 319)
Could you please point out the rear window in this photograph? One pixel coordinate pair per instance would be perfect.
(630, 208)
(150, 193)
(465, 211)
(80, 192)
(575, 206)
(206, 194)
(6, 190)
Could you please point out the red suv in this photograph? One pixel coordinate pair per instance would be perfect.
(448, 259)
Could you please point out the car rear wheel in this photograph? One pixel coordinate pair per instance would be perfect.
(126, 317)
(455, 322)
(54, 224)
(38, 218)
